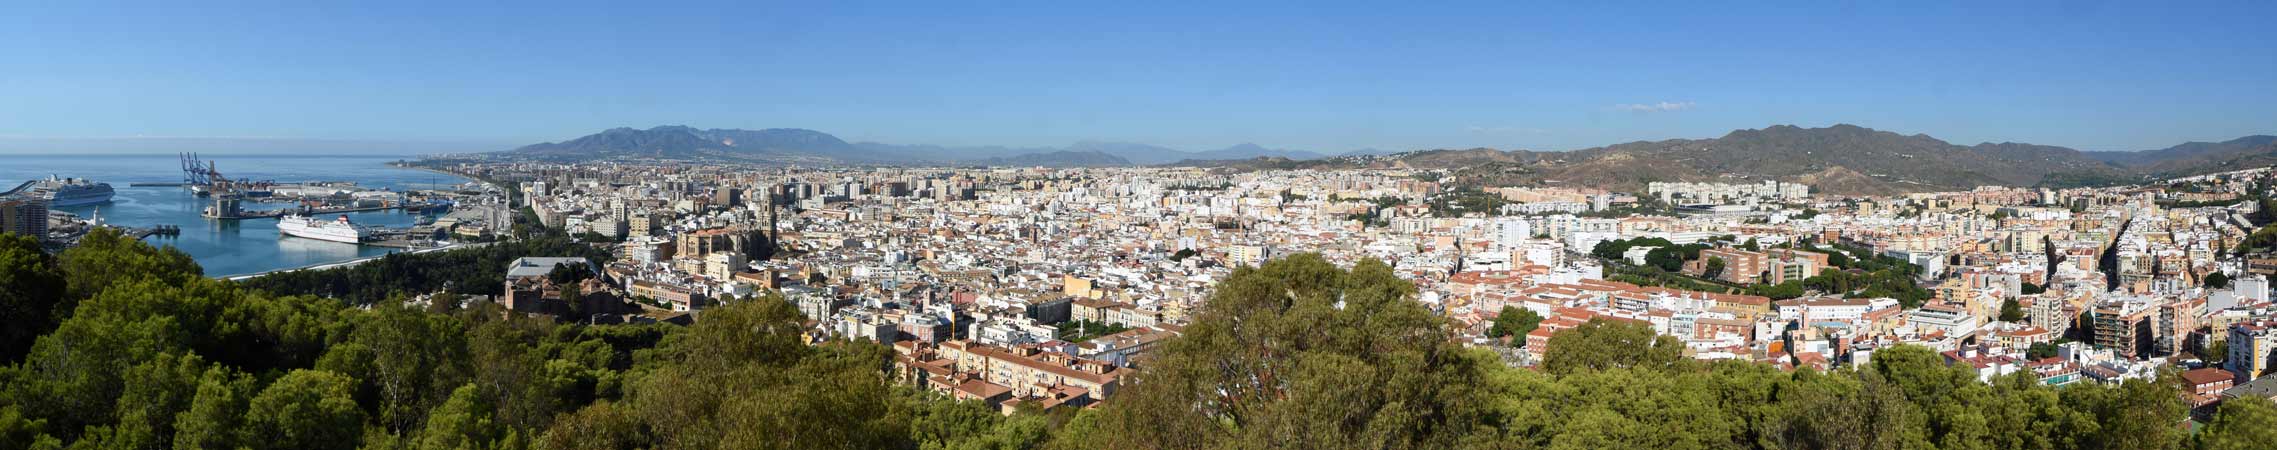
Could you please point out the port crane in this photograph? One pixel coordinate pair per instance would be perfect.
(203, 177)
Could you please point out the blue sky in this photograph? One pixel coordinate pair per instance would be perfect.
(1326, 76)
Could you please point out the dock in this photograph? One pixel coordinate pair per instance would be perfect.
(140, 233)
(276, 213)
(404, 238)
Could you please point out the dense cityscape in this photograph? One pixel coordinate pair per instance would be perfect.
(1046, 296)
(1460, 225)
(1070, 276)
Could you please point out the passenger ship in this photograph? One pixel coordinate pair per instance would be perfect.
(61, 192)
(336, 231)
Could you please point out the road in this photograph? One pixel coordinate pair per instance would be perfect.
(353, 262)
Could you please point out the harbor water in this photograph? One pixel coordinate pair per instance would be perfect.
(224, 247)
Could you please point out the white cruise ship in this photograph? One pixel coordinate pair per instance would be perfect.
(336, 231)
(63, 192)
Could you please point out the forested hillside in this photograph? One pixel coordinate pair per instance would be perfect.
(115, 344)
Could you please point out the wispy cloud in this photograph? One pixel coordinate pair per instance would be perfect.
(1653, 107)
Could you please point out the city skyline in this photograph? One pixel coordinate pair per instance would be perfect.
(1327, 78)
(1051, 226)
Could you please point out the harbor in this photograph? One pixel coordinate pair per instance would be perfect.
(400, 209)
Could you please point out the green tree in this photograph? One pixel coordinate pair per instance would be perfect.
(1603, 344)
(2217, 280)
(2041, 350)
(1921, 374)
(216, 417)
(1843, 411)
(73, 377)
(1781, 291)
(31, 295)
(306, 409)
(743, 378)
(2213, 352)
(2135, 414)
(19, 431)
(573, 295)
(463, 422)
(1714, 269)
(2011, 311)
(156, 391)
(104, 257)
(415, 360)
(1668, 259)
(1514, 321)
(599, 426)
(2241, 423)
(1302, 354)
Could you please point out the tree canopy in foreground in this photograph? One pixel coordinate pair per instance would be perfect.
(138, 351)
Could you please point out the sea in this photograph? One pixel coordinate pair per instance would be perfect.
(228, 248)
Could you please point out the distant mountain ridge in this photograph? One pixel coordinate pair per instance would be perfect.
(683, 142)
(1840, 159)
(1895, 163)
(678, 141)
(1061, 158)
(2184, 158)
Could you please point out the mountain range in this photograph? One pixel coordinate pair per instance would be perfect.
(1839, 159)
(683, 142)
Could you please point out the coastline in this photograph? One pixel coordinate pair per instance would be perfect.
(438, 172)
(484, 181)
(356, 261)
(348, 263)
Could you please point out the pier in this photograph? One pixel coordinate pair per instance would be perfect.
(276, 213)
(139, 233)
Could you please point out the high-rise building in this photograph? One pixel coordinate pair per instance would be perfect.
(2124, 326)
(2249, 344)
(727, 196)
(2251, 288)
(639, 224)
(24, 215)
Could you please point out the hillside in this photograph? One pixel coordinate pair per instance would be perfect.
(1898, 163)
(1057, 159)
(2197, 157)
(1841, 159)
(793, 144)
(675, 141)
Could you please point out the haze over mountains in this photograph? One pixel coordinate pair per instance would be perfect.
(1842, 159)
(674, 141)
